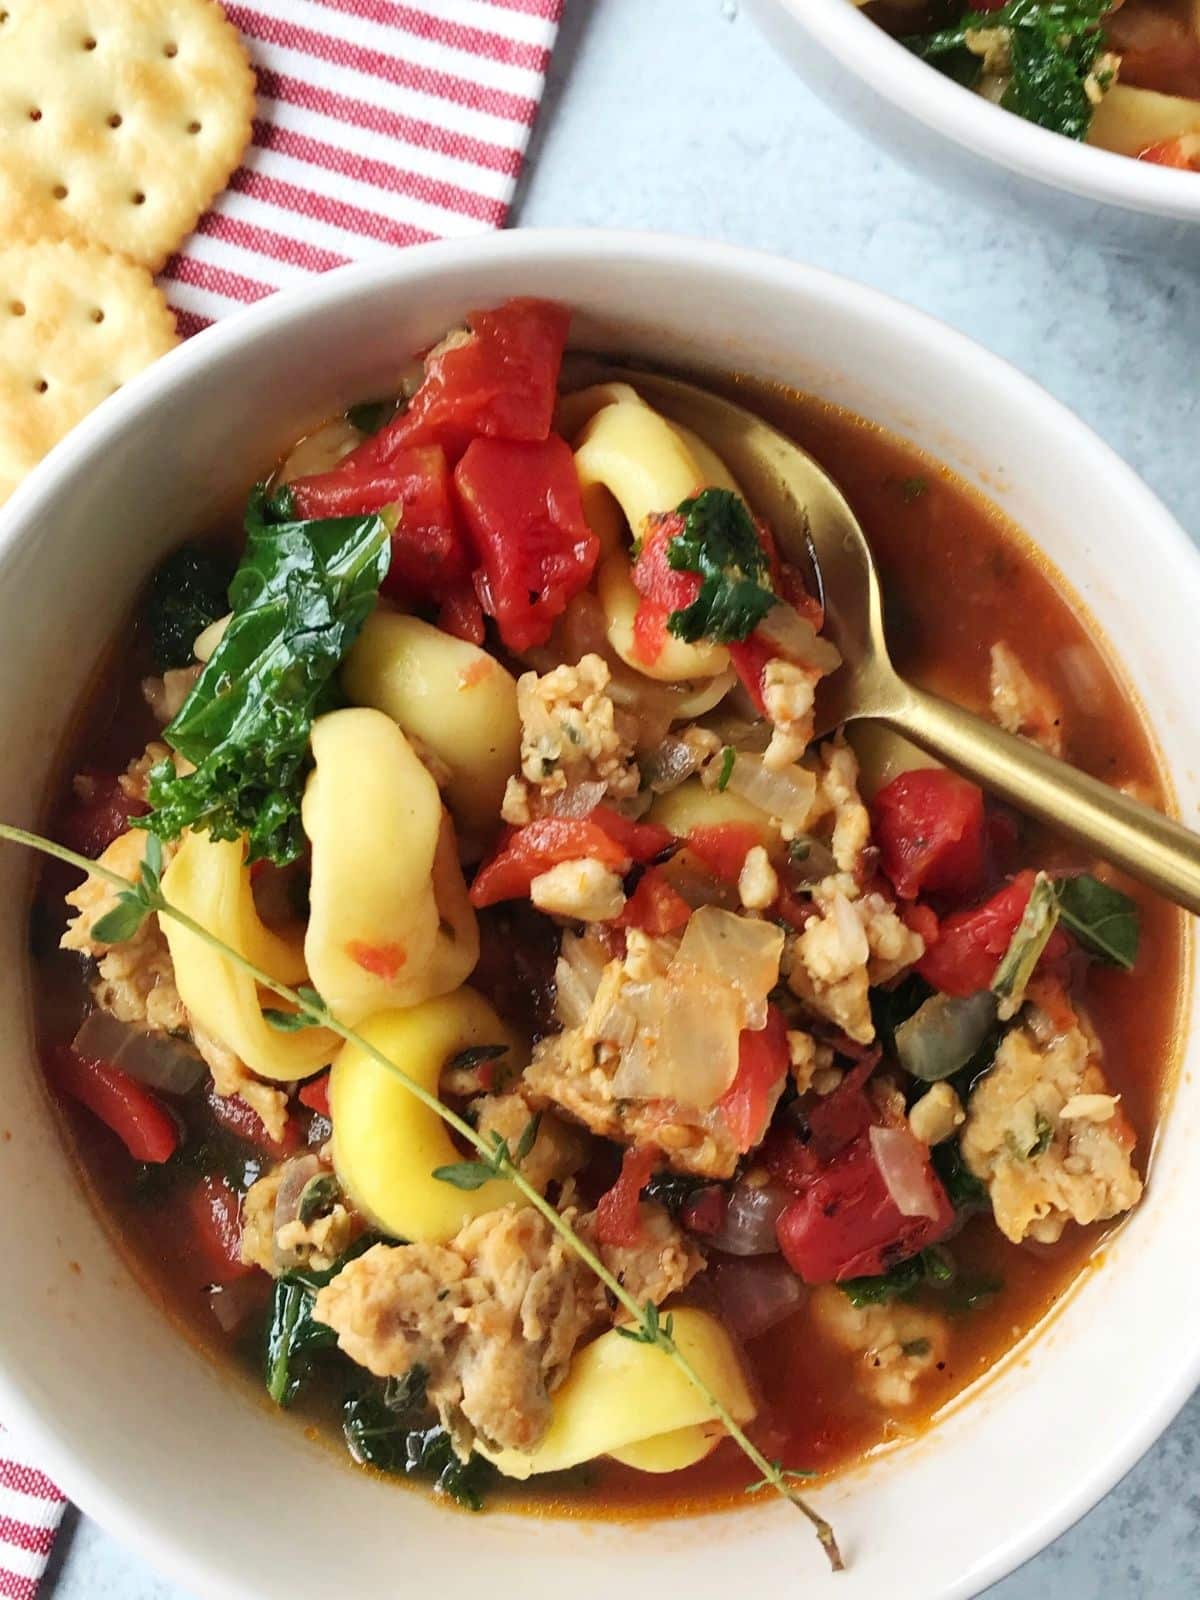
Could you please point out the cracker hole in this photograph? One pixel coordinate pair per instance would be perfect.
(97, 315)
(17, 307)
(194, 127)
(59, 191)
(138, 198)
(171, 50)
(41, 386)
(89, 43)
(35, 114)
(115, 120)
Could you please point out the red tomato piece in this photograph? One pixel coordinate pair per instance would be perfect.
(99, 814)
(789, 1159)
(618, 1221)
(501, 382)
(430, 555)
(232, 1112)
(839, 1118)
(523, 511)
(380, 960)
(663, 589)
(749, 660)
(315, 1095)
(970, 944)
(137, 1116)
(655, 906)
(523, 854)
(641, 841)
(929, 827)
(1171, 153)
(724, 846)
(762, 1071)
(462, 615)
(846, 1224)
(921, 920)
(214, 1211)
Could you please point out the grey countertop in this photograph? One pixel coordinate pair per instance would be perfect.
(675, 115)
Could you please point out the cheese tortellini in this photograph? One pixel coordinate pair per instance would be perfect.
(627, 1400)
(389, 920)
(455, 698)
(386, 1144)
(209, 880)
(629, 455)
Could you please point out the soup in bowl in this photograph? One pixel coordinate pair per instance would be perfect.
(497, 1031)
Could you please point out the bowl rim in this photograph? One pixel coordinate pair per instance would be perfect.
(31, 1414)
(984, 129)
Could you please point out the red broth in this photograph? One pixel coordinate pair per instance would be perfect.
(921, 521)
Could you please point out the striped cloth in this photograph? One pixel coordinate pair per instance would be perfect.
(381, 123)
(30, 1509)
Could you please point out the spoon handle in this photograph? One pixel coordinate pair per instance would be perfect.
(1141, 841)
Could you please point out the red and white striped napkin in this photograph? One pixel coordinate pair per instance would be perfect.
(381, 123)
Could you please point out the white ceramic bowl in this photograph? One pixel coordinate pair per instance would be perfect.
(231, 1499)
(960, 139)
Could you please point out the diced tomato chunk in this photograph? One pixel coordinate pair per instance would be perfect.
(750, 658)
(662, 588)
(380, 960)
(315, 1095)
(747, 1104)
(1181, 152)
(430, 555)
(99, 813)
(641, 841)
(618, 1221)
(839, 1118)
(929, 826)
(970, 944)
(501, 382)
(523, 854)
(655, 906)
(215, 1239)
(136, 1115)
(536, 552)
(846, 1225)
(462, 615)
(232, 1112)
(724, 846)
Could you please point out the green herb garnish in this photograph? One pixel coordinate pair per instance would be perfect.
(1104, 920)
(133, 905)
(1029, 940)
(720, 543)
(934, 1266)
(372, 415)
(474, 1174)
(913, 488)
(1054, 46)
(299, 598)
(728, 757)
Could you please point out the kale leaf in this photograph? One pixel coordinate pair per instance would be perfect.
(300, 595)
(1104, 920)
(188, 591)
(293, 1334)
(720, 543)
(966, 1192)
(1054, 47)
(934, 1266)
(389, 1428)
(431, 1455)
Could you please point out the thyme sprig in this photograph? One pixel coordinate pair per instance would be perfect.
(140, 899)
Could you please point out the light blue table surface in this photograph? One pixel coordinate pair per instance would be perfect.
(674, 114)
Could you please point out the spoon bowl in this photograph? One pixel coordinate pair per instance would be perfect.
(816, 530)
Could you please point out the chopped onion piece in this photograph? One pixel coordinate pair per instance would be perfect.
(796, 638)
(787, 795)
(694, 882)
(904, 1167)
(671, 764)
(754, 1296)
(159, 1060)
(732, 950)
(750, 1217)
(1085, 678)
(683, 1033)
(577, 800)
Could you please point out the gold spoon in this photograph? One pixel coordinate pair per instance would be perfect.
(816, 530)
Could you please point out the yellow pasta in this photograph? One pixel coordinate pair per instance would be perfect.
(455, 698)
(576, 410)
(1129, 121)
(208, 879)
(386, 1144)
(374, 818)
(883, 755)
(630, 456)
(630, 1401)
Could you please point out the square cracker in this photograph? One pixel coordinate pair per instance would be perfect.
(129, 115)
(76, 322)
